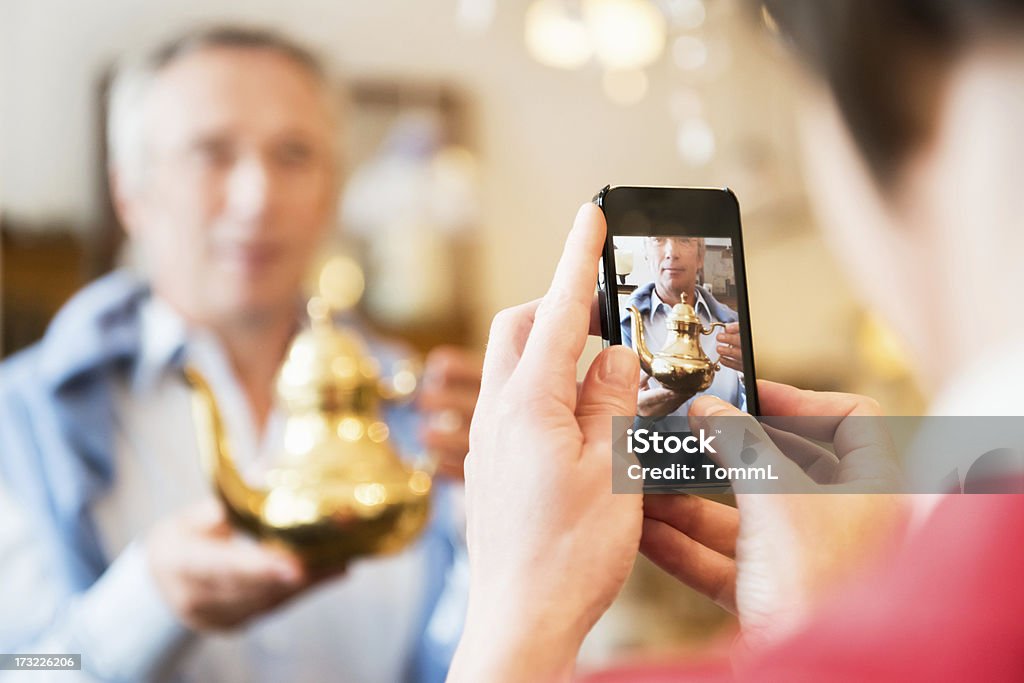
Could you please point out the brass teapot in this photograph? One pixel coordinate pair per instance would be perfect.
(681, 365)
(339, 490)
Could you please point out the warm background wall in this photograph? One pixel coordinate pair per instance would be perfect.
(544, 139)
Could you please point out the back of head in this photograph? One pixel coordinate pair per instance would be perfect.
(913, 162)
(887, 61)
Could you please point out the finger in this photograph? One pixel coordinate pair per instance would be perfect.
(732, 349)
(852, 423)
(610, 385)
(450, 366)
(782, 400)
(659, 395)
(819, 464)
(509, 331)
(729, 339)
(730, 353)
(742, 443)
(258, 587)
(690, 562)
(240, 564)
(731, 364)
(562, 320)
(207, 517)
(659, 400)
(708, 522)
(438, 399)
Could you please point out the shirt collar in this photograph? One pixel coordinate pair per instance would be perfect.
(97, 329)
(701, 304)
(163, 340)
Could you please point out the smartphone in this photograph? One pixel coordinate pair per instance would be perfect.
(671, 245)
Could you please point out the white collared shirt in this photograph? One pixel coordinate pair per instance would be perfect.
(360, 627)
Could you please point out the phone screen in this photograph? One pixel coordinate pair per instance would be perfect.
(668, 247)
(673, 288)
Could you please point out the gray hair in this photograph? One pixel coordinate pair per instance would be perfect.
(134, 77)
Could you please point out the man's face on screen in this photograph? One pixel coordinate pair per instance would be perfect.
(675, 262)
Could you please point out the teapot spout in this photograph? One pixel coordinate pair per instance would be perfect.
(244, 502)
(640, 340)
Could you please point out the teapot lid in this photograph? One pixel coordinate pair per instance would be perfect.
(325, 364)
(682, 314)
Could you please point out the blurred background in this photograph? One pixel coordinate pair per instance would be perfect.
(475, 130)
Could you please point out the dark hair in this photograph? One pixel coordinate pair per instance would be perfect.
(886, 61)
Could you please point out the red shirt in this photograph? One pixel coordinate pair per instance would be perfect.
(949, 607)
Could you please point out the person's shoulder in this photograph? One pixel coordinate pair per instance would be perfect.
(18, 373)
(90, 329)
(642, 295)
(103, 300)
(641, 299)
(719, 311)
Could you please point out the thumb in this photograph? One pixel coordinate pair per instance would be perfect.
(742, 443)
(711, 406)
(207, 517)
(611, 384)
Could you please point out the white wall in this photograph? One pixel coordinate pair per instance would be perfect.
(547, 139)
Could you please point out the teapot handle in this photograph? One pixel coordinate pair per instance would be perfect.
(711, 328)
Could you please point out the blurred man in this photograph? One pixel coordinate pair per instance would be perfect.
(676, 262)
(224, 169)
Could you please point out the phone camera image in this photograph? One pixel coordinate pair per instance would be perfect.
(677, 300)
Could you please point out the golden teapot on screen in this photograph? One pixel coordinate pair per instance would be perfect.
(339, 489)
(681, 365)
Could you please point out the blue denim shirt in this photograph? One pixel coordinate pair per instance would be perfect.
(57, 426)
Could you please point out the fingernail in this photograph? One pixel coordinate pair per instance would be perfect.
(703, 406)
(617, 368)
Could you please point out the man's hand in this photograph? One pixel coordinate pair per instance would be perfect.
(774, 558)
(730, 348)
(451, 385)
(657, 401)
(214, 578)
(549, 545)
